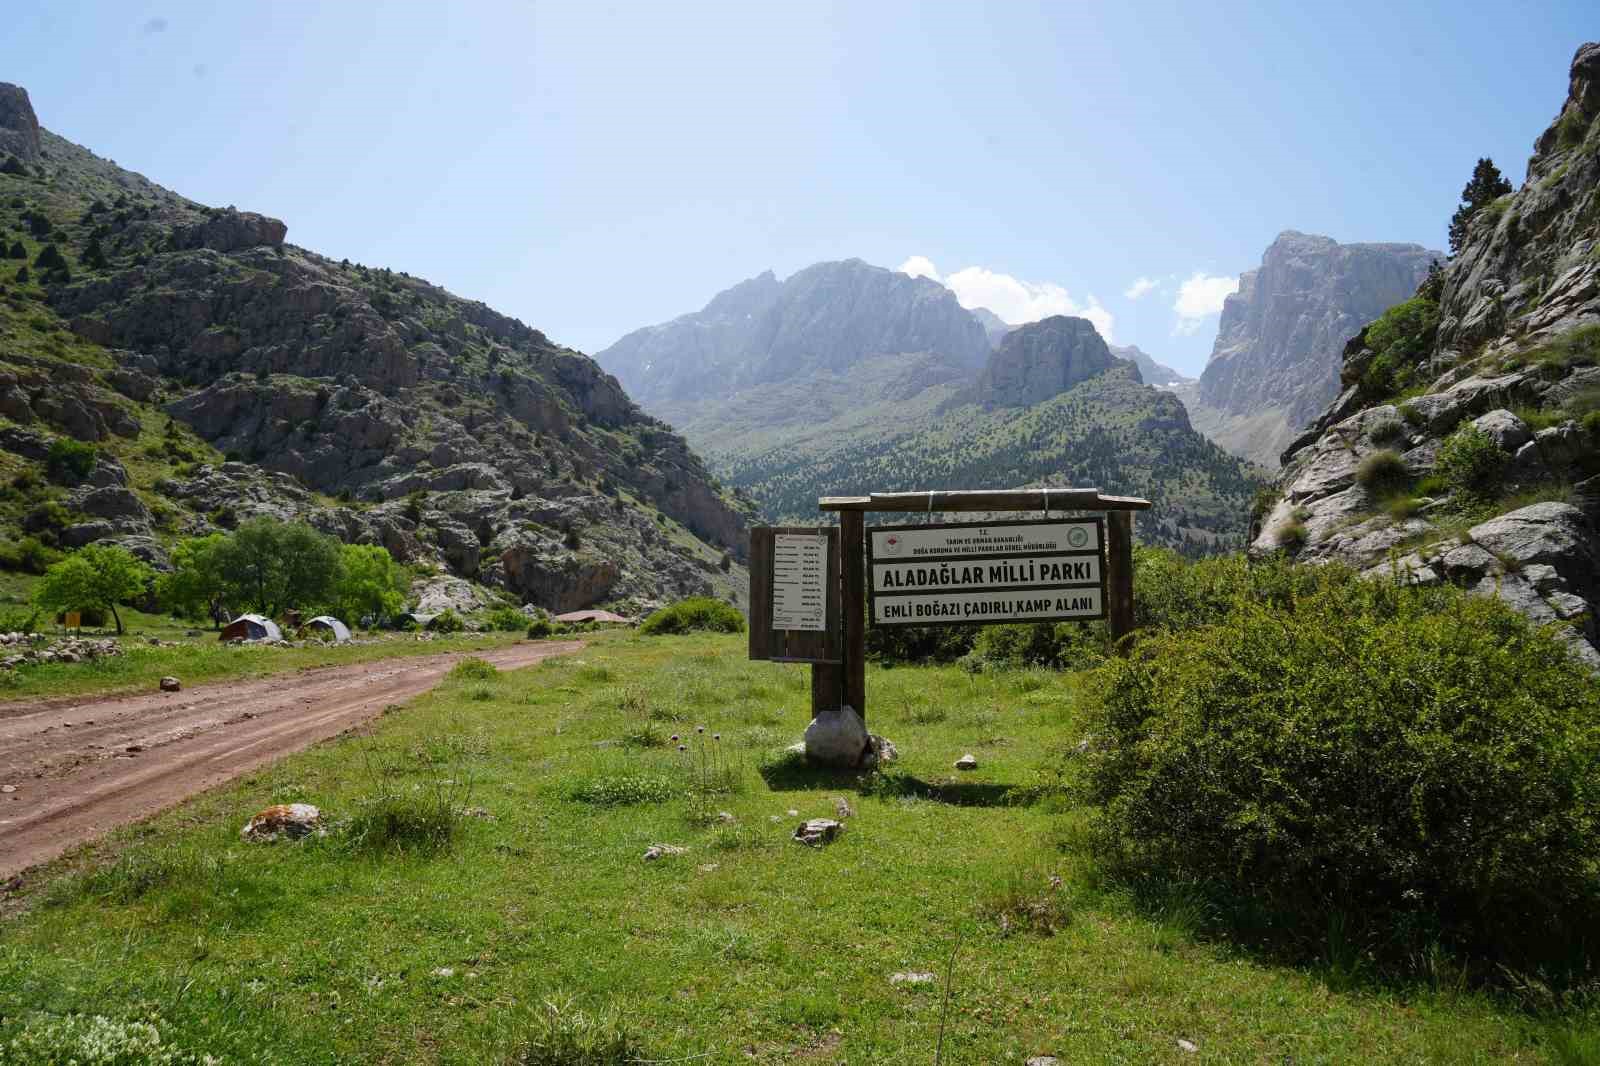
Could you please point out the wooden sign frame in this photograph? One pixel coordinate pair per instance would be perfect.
(793, 645)
(1097, 552)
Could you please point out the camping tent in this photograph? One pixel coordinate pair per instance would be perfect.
(594, 616)
(251, 627)
(340, 631)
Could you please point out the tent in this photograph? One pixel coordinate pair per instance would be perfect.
(340, 631)
(594, 616)
(251, 627)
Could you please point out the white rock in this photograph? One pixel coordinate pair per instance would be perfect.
(1187, 1045)
(837, 738)
(283, 819)
(817, 831)
(659, 851)
(913, 977)
(968, 761)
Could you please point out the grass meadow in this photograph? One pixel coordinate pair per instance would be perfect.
(416, 933)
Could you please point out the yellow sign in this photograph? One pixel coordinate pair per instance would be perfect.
(73, 619)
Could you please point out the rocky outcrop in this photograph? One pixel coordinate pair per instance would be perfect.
(1152, 372)
(1516, 335)
(1281, 335)
(824, 319)
(230, 230)
(19, 126)
(1041, 360)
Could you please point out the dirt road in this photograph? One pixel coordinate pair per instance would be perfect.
(71, 770)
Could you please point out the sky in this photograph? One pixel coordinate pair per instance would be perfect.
(593, 167)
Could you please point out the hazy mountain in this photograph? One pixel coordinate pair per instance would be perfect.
(221, 373)
(1053, 406)
(1275, 363)
(1154, 373)
(993, 325)
(820, 322)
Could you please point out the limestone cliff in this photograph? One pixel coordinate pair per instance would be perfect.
(1465, 445)
(1275, 363)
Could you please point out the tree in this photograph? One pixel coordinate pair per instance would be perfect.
(94, 257)
(1486, 186)
(94, 578)
(370, 583)
(275, 565)
(50, 258)
(198, 585)
(16, 251)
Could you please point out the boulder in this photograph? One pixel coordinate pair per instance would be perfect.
(1553, 533)
(1504, 428)
(968, 761)
(837, 738)
(230, 231)
(170, 684)
(817, 831)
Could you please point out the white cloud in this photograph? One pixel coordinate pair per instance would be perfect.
(1140, 286)
(1014, 300)
(1200, 297)
(920, 266)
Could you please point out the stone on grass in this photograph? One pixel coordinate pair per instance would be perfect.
(817, 831)
(170, 684)
(292, 820)
(881, 750)
(1187, 1045)
(842, 808)
(1043, 1060)
(661, 851)
(913, 977)
(968, 761)
(837, 738)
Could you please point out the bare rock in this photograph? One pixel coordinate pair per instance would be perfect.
(837, 738)
(662, 851)
(19, 126)
(230, 231)
(968, 761)
(1504, 428)
(817, 832)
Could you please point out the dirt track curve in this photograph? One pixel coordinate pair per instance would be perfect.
(78, 768)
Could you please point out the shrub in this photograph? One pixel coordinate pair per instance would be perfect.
(425, 819)
(1470, 462)
(1412, 415)
(1292, 535)
(29, 554)
(49, 1039)
(1400, 341)
(692, 614)
(446, 621)
(70, 461)
(626, 790)
(1383, 469)
(1392, 760)
(1387, 431)
(473, 668)
(1402, 507)
(505, 619)
(540, 628)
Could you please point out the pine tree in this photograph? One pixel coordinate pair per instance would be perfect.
(1432, 287)
(1487, 186)
(17, 251)
(93, 257)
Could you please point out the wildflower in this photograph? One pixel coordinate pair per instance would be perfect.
(683, 747)
(699, 729)
(674, 738)
(716, 736)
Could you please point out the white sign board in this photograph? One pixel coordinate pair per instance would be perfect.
(974, 572)
(800, 581)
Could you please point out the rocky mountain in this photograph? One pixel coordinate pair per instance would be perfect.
(1152, 372)
(1275, 363)
(1052, 407)
(994, 327)
(220, 372)
(822, 321)
(1465, 445)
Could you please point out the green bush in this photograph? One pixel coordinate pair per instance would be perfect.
(446, 621)
(1400, 339)
(1412, 414)
(473, 668)
(1387, 431)
(1470, 462)
(1412, 767)
(29, 555)
(692, 614)
(1382, 470)
(540, 628)
(70, 461)
(505, 619)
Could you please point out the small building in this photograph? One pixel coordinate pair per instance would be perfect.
(251, 627)
(603, 617)
(327, 623)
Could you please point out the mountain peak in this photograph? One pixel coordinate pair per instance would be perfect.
(1043, 359)
(19, 126)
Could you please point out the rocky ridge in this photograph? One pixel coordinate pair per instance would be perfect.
(1275, 363)
(223, 373)
(1504, 358)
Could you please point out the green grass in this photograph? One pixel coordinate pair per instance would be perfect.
(745, 948)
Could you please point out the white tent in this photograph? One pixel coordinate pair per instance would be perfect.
(251, 627)
(341, 632)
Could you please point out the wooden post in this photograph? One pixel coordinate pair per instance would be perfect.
(853, 602)
(1119, 578)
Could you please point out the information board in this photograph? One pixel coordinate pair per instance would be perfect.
(987, 573)
(799, 582)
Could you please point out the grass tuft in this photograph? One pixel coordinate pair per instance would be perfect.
(562, 1035)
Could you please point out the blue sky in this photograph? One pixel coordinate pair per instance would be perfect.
(593, 167)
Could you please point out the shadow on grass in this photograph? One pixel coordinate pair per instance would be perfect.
(790, 772)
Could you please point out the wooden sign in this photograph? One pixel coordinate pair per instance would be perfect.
(989, 573)
(73, 619)
(794, 594)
